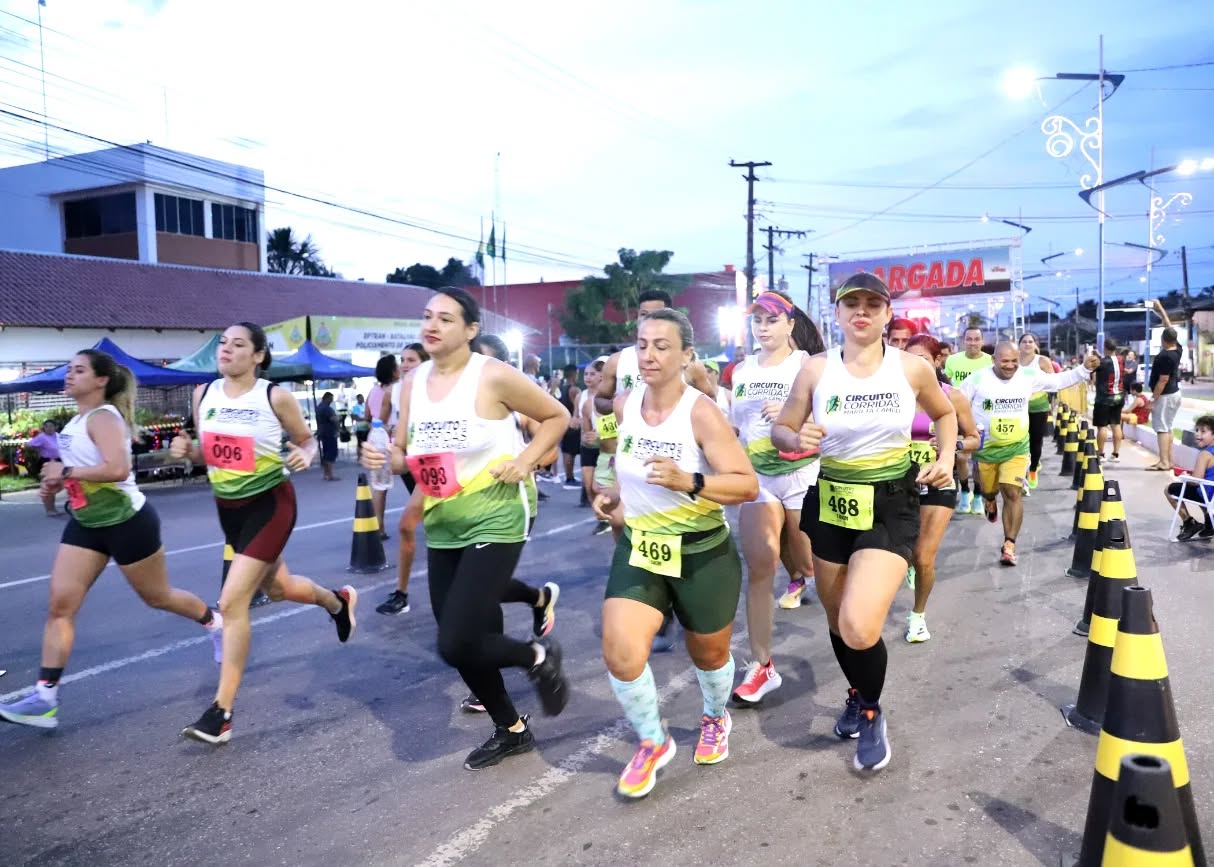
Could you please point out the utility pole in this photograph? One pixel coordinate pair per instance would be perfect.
(810, 270)
(750, 223)
(771, 248)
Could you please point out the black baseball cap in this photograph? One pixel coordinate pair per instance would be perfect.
(863, 281)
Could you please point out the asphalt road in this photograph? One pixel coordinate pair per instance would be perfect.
(352, 755)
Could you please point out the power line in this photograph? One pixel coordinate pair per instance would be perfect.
(1166, 68)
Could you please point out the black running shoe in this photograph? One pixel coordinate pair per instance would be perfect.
(259, 599)
(503, 744)
(472, 704)
(872, 749)
(549, 679)
(344, 619)
(544, 617)
(1207, 531)
(396, 603)
(213, 727)
(848, 724)
(601, 527)
(1190, 529)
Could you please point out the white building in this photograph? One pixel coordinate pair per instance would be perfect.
(139, 202)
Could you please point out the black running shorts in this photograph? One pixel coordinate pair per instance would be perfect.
(895, 522)
(590, 456)
(571, 442)
(1106, 414)
(259, 526)
(929, 496)
(129, 542)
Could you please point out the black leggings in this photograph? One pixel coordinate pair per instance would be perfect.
(467, 588)
(1036, 437)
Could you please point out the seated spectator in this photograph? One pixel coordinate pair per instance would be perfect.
(1137, 408)
(1203, 428)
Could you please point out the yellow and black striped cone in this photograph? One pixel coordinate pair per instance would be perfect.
(1081, 464)
(1146, 828)
(1061, 428)
(1140, 719)
(1070, 450)
(1110, 507)
(1087, 518)
(367, 549)
(228, 556)
(1086, 447)
(1117, 571)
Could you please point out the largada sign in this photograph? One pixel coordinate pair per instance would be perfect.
(934, 275)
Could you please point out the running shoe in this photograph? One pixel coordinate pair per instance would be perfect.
(502, 744)
(216, 633)
(540, 495)
(1033, 479)
(976, 506)
(848, 724)
(571, 485)
(910, 577)
(1115, 458)
(664, 640)
(872, 750)
(33, 710)
(964, 500)
(713, 745)
(601, 527)
(259, 599)
(396, 603)
(213, 727)
(1189, 529)
(1207, 531)
(344, 619)
(792, 596)
(549, 678)
(991, 507)
(1007, 554)
(758, 681)
(544, 617)
(471, 704)
(916, 629)
(638, 778)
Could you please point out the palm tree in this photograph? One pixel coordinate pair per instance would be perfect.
(286, 255)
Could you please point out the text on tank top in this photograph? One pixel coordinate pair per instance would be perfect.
(754, 386)
(451, 451)
(627, 371)
(922, 430)
(241, 441)
(867, 420)
(96, 504)
(652, 508)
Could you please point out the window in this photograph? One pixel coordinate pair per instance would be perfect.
(102, 215)
(179, 215)
(234, 223)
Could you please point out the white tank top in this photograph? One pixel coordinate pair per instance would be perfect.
(754, 386)
(652, 508)
(96, 504)
(867, 421)
(241, 441)
(627, 371)
(480, 510)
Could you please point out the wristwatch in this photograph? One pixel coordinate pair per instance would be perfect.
(67, 473)
(697, 484)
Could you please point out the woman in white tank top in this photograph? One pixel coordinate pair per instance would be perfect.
(863, 515)
(241, 419)
(108, 519)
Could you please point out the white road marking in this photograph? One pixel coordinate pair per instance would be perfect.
(115, 664)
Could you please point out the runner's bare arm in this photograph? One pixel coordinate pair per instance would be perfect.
(937, 406)
(968, 428)
(514, 391)
(182, 445)
(605, 394)
(733, 479)
(795, 418)
(112, 437)
(301, 450)
(697, 377)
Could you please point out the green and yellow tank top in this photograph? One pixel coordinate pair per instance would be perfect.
(96, 504)
(753, 386)
(241, 441)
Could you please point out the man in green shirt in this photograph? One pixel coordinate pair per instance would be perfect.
(959, 368)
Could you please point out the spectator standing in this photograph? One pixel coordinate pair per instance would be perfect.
(1165, 396)
(46, 443)
(326, 433)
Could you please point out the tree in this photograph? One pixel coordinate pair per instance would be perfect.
(585, 305)
(454, 273)
(287, 255)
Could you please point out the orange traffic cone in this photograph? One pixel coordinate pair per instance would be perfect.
(366, 549)
(1140, 719)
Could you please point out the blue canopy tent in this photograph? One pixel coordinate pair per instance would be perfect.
(146, 374)
(321, 366)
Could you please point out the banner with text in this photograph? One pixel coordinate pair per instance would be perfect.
(934, 274)
(345, 334)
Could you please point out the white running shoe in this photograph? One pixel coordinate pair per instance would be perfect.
(916, 629)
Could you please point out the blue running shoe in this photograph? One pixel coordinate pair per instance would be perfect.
(848, 725)
(32, 710)
(872, 749)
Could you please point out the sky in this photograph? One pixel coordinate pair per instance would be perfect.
(591, 127)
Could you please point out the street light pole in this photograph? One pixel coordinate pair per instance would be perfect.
(1100, 233)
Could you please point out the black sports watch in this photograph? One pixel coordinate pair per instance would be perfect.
(67, 473)
(697, 484)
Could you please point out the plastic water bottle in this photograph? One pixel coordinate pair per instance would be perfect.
(381, 479)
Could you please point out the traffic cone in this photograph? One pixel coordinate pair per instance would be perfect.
(1087, 518)
(1061, 428)
(1111, 508)
(229, 554)
(366, 549)
(1086, 447)
(1117, 571)
(1147, 829)
(1140, 719)
(1070, 450)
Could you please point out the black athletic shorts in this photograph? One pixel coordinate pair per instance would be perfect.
(895, 522)
(129, 542)
(929, 496)
(410, 482)
(259, 526)
(571, 442)
(1106, 414)
(590, 456)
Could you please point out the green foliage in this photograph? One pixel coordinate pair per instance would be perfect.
(454, 273)
(285, 254)
(586, 305)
